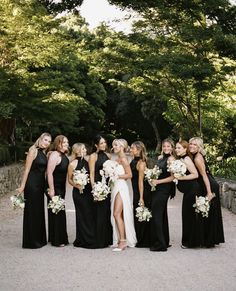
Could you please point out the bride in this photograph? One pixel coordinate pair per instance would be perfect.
(121, 203)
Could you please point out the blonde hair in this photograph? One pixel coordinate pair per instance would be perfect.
(122, 142)
(77, 146)
(141, 147)
(199, 143)
(37, 142)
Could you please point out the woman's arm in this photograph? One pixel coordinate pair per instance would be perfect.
(54, 159)
(200, 164)
(192, 169)
(141, 168)
(92, 161)
(165, 180)
(28, 163)
(128, 172)
(71, 168)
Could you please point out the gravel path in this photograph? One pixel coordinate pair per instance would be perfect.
(69, 268)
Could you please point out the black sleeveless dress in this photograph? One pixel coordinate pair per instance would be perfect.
(57, 222)
(102, 210)
(213, 224)
(142, 229)
(159, 222)
(34, 229)
(191, 225)
(85, 226)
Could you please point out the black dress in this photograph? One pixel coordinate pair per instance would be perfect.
(34, 229)
(213, 224)
(57, 222)
(102, 210)
(159, 221)
(85, 226)
(191, 225)
(142, 229)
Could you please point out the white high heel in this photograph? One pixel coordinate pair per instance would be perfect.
(122, 248)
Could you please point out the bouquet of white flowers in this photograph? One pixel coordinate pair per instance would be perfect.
(143, 213)
(18, 201)
(110, 170)
(81, 177)
(202, 205)
(178, 168)
(100, 191)
(152, 174)
(56, 204)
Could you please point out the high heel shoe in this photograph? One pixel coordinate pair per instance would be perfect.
(119, 249)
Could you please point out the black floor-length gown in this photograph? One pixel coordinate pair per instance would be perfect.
(191, 224)
(57, 222)
(85, 224)
(159, 222)
(142, 229)
(102, 210)
(34, 229)
(213, 224)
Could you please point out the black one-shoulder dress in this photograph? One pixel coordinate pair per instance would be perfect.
(34, 229)
(85, 223)
(57, 222)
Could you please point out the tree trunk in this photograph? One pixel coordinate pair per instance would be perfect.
(199, 115)
(157, 135)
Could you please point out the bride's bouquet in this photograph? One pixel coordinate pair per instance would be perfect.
(202, 205)
(110, 170)
(178, 168)
(143, 213)
(81, 177)
(56, 204)
(100, 191)
(17, 201)
(152, 174)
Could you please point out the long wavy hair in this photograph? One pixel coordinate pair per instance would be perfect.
(171, 142)
(142, 149)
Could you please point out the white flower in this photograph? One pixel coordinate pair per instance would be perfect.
(56, 204)
(152, 174)
(178, 168)
(202, 206)
(18, 201)
(143, 213)
(100, 191)
(81, 177)
(110, 170)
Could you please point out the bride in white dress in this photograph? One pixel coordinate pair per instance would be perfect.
(121, 201)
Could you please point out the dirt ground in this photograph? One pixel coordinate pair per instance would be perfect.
(69, 268)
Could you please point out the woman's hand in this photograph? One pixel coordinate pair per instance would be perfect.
(210, 196)
(20, 190)
(178, 177)
(154, 182)
(51, 193)
(141, 202)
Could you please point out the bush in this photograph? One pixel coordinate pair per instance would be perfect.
(225, 168)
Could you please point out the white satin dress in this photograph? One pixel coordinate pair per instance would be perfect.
(121, 187)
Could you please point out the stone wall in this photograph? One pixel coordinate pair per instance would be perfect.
(10, 178)
(228, 194)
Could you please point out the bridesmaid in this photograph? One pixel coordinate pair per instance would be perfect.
(56, 175)
(188, 185)
(85, 227)
(33, 186)
(141, 192)
(101, 209)
(165, 188)
(213, 225)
